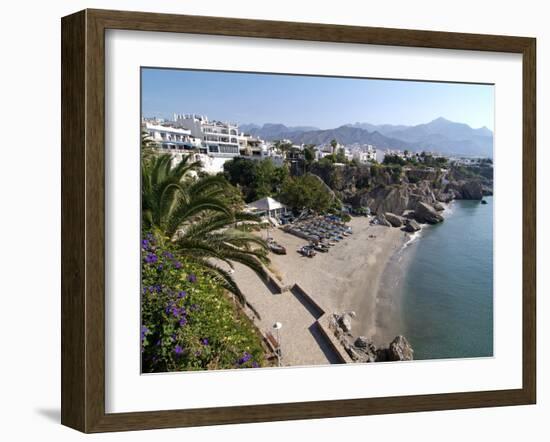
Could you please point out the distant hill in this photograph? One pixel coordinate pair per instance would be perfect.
(439, 135)
(347, 135)
(271, 131)
(382, 128)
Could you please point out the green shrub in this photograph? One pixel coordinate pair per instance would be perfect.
(188, 321)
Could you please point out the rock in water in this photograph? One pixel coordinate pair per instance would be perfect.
(483, 202)
(424, 213)
(472, 190)
(394, 220)
(438, 206)
(411, 226)
(400, 350)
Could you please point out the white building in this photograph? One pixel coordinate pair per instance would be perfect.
(329, 149)
(172, 138)
(211, 142)
(220, 139)
(365, 154)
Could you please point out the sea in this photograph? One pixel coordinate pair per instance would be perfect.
(443, 278)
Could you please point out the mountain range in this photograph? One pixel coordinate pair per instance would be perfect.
(439, 135)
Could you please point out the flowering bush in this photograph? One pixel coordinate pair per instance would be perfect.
(188, 322)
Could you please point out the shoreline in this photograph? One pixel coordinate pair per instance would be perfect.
(389, 312)
(378, 315)
(390, 297)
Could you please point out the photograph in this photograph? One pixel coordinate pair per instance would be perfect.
(293, 220)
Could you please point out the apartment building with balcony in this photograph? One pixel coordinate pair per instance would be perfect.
(221, 139)
(171, 138)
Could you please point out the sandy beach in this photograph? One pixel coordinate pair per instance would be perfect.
(347, 278)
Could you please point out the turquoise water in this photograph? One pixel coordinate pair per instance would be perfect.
(447, 286)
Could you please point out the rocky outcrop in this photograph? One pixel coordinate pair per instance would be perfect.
(411, 226)
(445, 197)
(424, 213)
(382, 199)
(472, 190)
(387, 189)
(466, 189)
(398, 350)
(382, 221)
(415, 175)
(344, 321)
(395, 199)
(394, 220)
(362, 349)
(438, 206)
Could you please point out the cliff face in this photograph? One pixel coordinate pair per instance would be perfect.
(396, 189)
(395, 198)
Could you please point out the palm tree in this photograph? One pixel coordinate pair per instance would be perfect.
(148, 145)
(194, 214)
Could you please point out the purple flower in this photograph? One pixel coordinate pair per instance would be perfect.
(192, 278)
(177, 312)
(255, 364)
(144, 331)
(183, 321)
(151, 258)
(182, 294)
(144, 244)
(177, 264)
(168, 255)
(178, 350)
(159, 267)
(246, 357)
(204, 341)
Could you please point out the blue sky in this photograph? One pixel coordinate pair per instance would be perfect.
(324, 102)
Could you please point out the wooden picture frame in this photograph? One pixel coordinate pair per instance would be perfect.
(83, 220)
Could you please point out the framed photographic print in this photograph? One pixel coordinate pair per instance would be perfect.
(265, 221)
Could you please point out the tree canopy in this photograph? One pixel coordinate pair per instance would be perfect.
(256, 179)
(307, 192)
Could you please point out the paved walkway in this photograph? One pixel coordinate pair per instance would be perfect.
(302, 343)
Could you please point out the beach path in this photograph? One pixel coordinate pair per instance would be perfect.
(302, 342)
